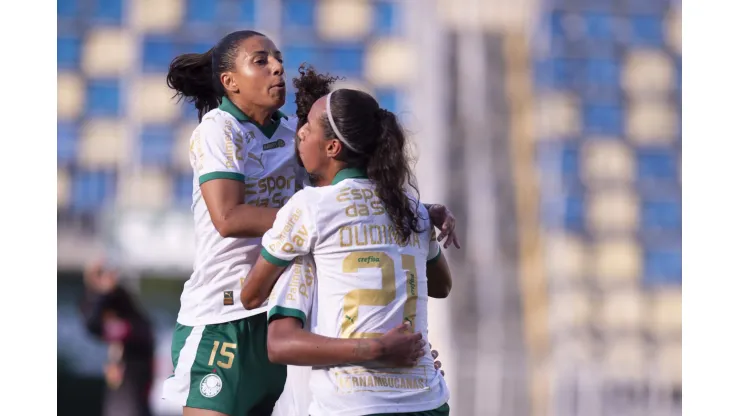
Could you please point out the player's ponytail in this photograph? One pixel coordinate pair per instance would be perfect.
(191, 76)
(195, 77)
(374, 141)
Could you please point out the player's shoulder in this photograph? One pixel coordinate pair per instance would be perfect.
(289, 122)
(216, 121)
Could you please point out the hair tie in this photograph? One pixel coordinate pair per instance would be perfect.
(334, 126)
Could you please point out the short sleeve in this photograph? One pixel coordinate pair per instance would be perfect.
(293, 294)
(217, 150)
(434, 249)
(293, 233)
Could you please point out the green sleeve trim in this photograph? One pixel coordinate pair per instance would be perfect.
(274, 260)
(288, 312)
(220, 175)
(435, 258)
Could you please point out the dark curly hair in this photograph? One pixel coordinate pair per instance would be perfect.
(379, 141)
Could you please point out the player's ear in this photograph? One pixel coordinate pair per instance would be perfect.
(333, 147)
(229, 82)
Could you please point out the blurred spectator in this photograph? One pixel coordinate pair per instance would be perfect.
(112, 315)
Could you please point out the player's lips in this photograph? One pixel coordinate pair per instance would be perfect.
(279, 86)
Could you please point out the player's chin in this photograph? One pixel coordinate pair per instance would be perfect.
(277, 97)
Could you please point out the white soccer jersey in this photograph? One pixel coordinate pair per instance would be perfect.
(228, 145)
(366, 282)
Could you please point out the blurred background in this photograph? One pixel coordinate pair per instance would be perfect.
(552, 129)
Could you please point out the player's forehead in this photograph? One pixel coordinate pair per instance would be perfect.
(317, 110)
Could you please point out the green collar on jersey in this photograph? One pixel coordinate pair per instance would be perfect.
(268, 131)
(347, 174)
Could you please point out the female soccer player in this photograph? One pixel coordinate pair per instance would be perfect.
(245, 169)
(377, 261)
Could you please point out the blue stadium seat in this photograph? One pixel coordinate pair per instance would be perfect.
(69, 49)
(107, 11)
(67, 8)
(574, 213)
(661, 214)
(656, 164)
(647, 7)
(603, 72)
(346, 59)
(388, 99)
(600, 26)
(157, 53)
(92, 190)
(384, 20)
(67, 139)
(295, 54)
(183, 189)
(247, 15)
(558, 28)
(103, 98)
(200, 11)
(298, 13)
(559, 159)
(646, 30)
(156, 144)
(603, 119)
(662, 266)
(289, 108)
(188, 111)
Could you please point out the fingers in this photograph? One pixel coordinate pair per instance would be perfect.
(452, 239)
(437, 365)
(435, 354)
(442, 372)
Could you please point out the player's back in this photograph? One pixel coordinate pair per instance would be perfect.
(368, 281)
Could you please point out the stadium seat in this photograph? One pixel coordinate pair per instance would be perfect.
(603, 119)
(187, 111)
(199, 11)
(657, 164)
(622, 311)
(157, 16)
(345, 59)
(652, 122)
(612, 211)
(103, 98)
(646, 30)
(607, 160)
(157, 52)
(625, 359)
(574, 213)
(340, 20)
(388, 99)
(69, 50)
(673, 29)
(62, 188)
(389, 63)
(559, 73)
(183, 189)
(661, 213)
(67, 9)
(558, 116)
(296, 54)
(181, 150)
(665, 313)
(670, 362)
(566, 256)
(154, 103)
(108, 52)
(156, 145)
(662, 265)
(616, 262)
(299, 13)
(107, 12)
(602, 72)
(570, 309)
(67, 142)
(599, 25)
(647, 72)
(70, 96)
(148, 188)
(92, 190)
(103, 144)
(385, 17)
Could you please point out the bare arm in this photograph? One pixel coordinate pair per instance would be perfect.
(230, 215)
(289, 343)
(259, 283)
(439, 278)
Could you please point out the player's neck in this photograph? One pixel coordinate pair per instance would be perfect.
(259, 115)
(326, 177)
